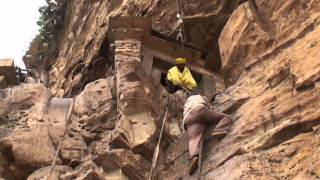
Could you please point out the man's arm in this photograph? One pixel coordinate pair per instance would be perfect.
(171, 88)
(190, 83)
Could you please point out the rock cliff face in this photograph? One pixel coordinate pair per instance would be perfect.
(84, 43)
(269, 58)
(269, 53)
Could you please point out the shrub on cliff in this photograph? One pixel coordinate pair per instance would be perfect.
(43, 47)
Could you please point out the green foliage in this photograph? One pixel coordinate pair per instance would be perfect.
(43, 47)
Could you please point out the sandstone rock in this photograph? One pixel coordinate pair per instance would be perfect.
(136, 100)
(243, 24)
(269, 60)
(44, 172)
(272, 94)
(73, 147)
(94, 108)
(94, 114)
(24, 131)
(81, 40)
(22, 145)
(273, 163)
(31, 80)
(35, 121)
(257, 31)
(4, 167)
(89, 171)
(132, 165)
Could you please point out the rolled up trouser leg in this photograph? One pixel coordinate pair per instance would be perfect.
(195, 133)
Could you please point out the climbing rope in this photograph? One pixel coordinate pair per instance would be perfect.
(117, 112)
(62, 139)
(181, 33)
(116, 95)
(200, 159)
(156, 151)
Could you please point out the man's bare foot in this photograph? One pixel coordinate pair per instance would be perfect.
(219, 134)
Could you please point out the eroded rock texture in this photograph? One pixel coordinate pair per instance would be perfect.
(83, 49)
(269, 60)
(23, 127)
(111, 132)
(269, 57)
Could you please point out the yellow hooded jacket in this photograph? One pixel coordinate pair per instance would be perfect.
(183, 79)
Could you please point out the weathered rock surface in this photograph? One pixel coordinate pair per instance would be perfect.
(43, 173)
(33, 123)
(269, 55)
(84, 47)
(135, 99)
(93, 113)
(269, 52)
(24, 128)
(259, 30)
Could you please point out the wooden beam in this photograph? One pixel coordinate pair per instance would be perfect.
(193, 66)
(166, 47)
(142, 23)
(140, 28)
(156, 74)
(201, 70)
(147, 62)
(123, 34)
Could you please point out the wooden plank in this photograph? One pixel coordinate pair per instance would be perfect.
(193, 67)
(170, 48)
(147, 62)
(123, 34)
(156, 75)
(143, 23)
(201, 70)
(128, 28)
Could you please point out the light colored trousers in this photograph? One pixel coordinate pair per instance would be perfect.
(197, 122)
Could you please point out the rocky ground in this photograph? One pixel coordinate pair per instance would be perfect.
(269, 60)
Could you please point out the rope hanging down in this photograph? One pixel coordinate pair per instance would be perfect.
(181, 38)
(156, 151)
(70, 109)
(180, 16)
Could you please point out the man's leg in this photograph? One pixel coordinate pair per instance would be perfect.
(222, 127)
(195, 133)
(209, 116)
(222, 120)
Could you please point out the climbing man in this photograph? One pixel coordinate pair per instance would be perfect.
(179, 77)
(197, 116)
